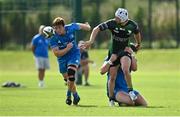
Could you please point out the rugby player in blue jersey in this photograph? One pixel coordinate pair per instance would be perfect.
(121, 92)
(65, 48)
(39, 46)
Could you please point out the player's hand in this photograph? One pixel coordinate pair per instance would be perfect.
(138, 46)
(129, 50)
(86, 45)
(69, 45)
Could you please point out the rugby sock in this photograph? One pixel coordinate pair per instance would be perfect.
(75, 95)
(68, 93)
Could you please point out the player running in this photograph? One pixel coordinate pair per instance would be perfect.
(64, 47)
(121, 29)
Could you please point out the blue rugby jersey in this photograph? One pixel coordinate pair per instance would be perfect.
(120, 82)
(41, 46)
(61, 41)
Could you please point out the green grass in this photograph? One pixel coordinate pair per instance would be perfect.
(158, 79)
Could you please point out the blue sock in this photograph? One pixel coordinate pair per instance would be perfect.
(68, 93)
(75, 95)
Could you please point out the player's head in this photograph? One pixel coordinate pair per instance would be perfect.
(121, 15)
(58, 25)
(41, 29)
(80, 43)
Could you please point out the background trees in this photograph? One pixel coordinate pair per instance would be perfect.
(20, 19)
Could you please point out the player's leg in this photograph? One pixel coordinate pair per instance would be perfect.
(123, 98)
(71, 83)
(105, 67)
(133, 64)
(125, 65)
(140, 101)
(111, 84)
(41, 73)
(68, 93)
(86, 74)
(129, 51)
(64, 72)
(41, 70)
(44, 64)
(78, 76)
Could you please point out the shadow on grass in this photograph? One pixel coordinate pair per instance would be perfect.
(86, 106)
(125, 106)
(156, 107)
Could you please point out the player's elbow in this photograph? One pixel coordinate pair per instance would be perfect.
(57, 53)
(88, 28)
(96, 29)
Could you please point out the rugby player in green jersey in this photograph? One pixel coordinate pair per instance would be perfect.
(121, 28)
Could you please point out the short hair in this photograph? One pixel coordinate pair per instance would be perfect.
(58, 21)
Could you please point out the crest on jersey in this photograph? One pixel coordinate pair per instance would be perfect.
(129, 32)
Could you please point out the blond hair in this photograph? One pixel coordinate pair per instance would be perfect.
(58, 21)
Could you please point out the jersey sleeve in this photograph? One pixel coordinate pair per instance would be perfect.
(106, 25)
(53, 42)
(136, 28)
(75, 26)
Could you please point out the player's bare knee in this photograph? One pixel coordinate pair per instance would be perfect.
(134, 69)
(113, 57)
(130, 103)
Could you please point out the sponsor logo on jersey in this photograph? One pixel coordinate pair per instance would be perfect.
(77, 61)
(119, 39)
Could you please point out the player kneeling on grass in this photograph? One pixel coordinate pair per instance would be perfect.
(121, 28)
(133, 67)
(121, 92)
(116, 63)
(64, 47)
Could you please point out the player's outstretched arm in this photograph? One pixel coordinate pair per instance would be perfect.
(138, 40)
(85, 26)
(94, 33)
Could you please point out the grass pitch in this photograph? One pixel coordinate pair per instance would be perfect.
(157, 79)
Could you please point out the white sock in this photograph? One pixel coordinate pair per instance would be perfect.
(41, 83)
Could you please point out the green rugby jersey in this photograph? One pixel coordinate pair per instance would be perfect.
(119, 34)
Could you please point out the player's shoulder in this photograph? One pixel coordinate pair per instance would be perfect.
(71, 25)
(132, 22)
(36, 36)
(54, 38)
(112, 21)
